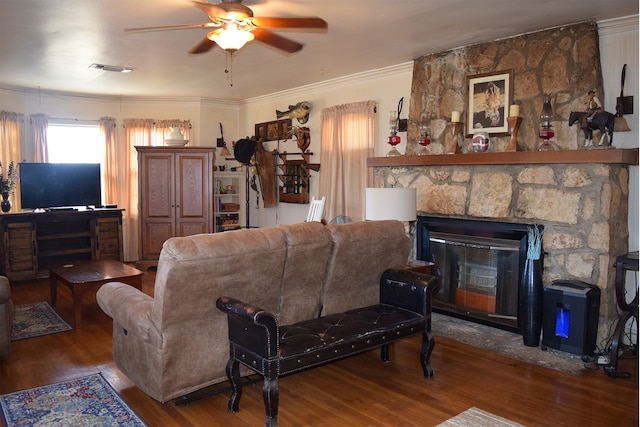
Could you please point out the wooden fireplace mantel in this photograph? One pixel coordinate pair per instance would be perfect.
(627, 156)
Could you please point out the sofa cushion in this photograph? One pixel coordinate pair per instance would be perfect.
(308, 247)
(358, 260)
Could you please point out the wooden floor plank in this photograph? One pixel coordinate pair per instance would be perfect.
(359, 391)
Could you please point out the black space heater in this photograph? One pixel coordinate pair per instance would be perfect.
(570, 316)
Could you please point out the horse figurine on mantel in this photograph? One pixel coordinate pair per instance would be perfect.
(601, 121)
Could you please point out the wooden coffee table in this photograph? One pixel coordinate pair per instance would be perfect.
(79, 276)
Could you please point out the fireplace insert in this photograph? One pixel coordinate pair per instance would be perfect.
(480, 264)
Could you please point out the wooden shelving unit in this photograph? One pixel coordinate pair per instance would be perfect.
(229, 201)
(294, 176)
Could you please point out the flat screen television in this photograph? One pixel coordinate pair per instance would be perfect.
(55, 185)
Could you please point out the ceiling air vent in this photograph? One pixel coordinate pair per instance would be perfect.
(114, 68)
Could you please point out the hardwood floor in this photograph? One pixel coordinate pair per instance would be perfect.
(360, 391)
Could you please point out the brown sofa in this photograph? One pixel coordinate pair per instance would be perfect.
(177, 342)
(6, 316)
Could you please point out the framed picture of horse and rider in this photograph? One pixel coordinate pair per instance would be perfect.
(488, 98)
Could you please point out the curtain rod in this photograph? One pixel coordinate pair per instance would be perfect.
(65, 119)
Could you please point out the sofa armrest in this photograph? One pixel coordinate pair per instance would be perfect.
(408, 290)
(128, 306)
(251, 327)
(5, 290)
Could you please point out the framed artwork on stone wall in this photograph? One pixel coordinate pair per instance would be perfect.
(488, 98)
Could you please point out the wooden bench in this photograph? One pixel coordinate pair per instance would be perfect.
(259, 343)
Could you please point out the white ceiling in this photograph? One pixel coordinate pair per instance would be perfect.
(49, 44)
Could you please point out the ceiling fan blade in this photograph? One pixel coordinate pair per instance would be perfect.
(214, 11)
(171, 27)
(290, 22)
(277, 41)
(205, 45)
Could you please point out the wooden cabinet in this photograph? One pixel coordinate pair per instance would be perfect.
(175, 195)
(230, 203)
(33, 241)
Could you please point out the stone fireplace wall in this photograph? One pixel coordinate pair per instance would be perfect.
(582, 206)
(563, 62)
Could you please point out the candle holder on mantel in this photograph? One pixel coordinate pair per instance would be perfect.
(545, 132)
(393, 139)
(514, 125)
(451, 133)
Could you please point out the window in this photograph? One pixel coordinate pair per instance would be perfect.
(76, 143)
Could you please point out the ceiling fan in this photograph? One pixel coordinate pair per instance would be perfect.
(234, 25)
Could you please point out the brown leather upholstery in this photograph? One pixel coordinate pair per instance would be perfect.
(6, 316)
(176, 342)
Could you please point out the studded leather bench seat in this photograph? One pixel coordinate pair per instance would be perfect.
(258, 342)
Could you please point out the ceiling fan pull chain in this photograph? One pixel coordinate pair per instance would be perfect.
(229, 67)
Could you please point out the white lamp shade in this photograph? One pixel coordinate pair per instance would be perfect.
(390, 203)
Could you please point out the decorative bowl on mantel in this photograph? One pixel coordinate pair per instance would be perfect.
(176, 142)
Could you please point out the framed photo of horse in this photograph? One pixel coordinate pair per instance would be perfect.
(488, 98)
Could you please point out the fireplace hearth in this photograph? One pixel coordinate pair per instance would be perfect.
(480, 264)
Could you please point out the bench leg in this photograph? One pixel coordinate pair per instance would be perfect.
(384, 353)
(233, 373)
(270, 395)
(428, 342)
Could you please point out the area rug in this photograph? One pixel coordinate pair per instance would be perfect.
(503, 342)
(474, 417)
(34, 320)
(87, 401)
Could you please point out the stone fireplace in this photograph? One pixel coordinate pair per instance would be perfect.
(579, 196)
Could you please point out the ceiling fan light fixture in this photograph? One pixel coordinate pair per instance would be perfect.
(231, 38)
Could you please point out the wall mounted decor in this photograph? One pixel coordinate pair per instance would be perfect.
(273, 131)
(488, 98)
(300, 112)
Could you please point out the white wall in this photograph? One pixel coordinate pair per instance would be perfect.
(385, 86)
(619, 46)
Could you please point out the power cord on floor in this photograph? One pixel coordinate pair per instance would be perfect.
(602, 355)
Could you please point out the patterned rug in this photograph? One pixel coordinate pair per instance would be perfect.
(88, 401)
(474, 417)
(34, 320)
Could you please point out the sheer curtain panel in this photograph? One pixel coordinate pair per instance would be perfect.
(347, 137)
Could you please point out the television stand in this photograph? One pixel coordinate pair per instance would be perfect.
(32, 241)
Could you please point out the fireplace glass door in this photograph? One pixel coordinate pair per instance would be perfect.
(479, 275)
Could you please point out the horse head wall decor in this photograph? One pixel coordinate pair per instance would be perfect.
(602, 121)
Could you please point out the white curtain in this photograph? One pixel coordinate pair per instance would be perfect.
(347, 139)
(10, 143)
(110, 172)
(39, 124)
(138, 132)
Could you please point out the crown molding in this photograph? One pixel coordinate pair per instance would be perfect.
(615, 26)
(175, 100)
(359, 78)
